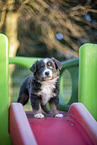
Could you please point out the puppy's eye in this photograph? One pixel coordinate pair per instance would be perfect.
(49, 64)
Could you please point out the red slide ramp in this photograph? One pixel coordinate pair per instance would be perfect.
(77, 127)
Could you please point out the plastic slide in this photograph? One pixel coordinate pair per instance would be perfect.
(77, 127)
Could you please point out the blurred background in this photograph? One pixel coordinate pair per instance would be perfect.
(46, 28)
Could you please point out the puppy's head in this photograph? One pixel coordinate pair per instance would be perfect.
(46, 69)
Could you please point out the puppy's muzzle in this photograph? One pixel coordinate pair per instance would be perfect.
(47, 75)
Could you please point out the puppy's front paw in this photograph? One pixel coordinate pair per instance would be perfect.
(59, 115)
(39, 115)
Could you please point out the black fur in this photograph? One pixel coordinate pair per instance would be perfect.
(32, 85)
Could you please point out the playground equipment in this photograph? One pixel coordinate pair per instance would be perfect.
(77, 126)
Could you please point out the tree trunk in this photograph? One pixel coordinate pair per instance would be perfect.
(11, 33)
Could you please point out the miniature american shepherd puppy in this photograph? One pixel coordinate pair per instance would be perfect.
(42, 87)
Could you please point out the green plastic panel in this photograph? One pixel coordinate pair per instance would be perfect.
(88, 77)
(4, 91)
(72, 66)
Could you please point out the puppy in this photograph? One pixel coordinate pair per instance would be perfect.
(42, 87)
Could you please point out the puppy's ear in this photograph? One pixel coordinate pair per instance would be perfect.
(33, 67)
(57, 63)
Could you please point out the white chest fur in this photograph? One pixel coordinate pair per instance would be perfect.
(47, 90)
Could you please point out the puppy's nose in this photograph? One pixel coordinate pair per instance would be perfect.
(47, 73)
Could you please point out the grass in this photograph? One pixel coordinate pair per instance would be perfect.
(18, 76)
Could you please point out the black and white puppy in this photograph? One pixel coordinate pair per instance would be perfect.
(42, 87)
